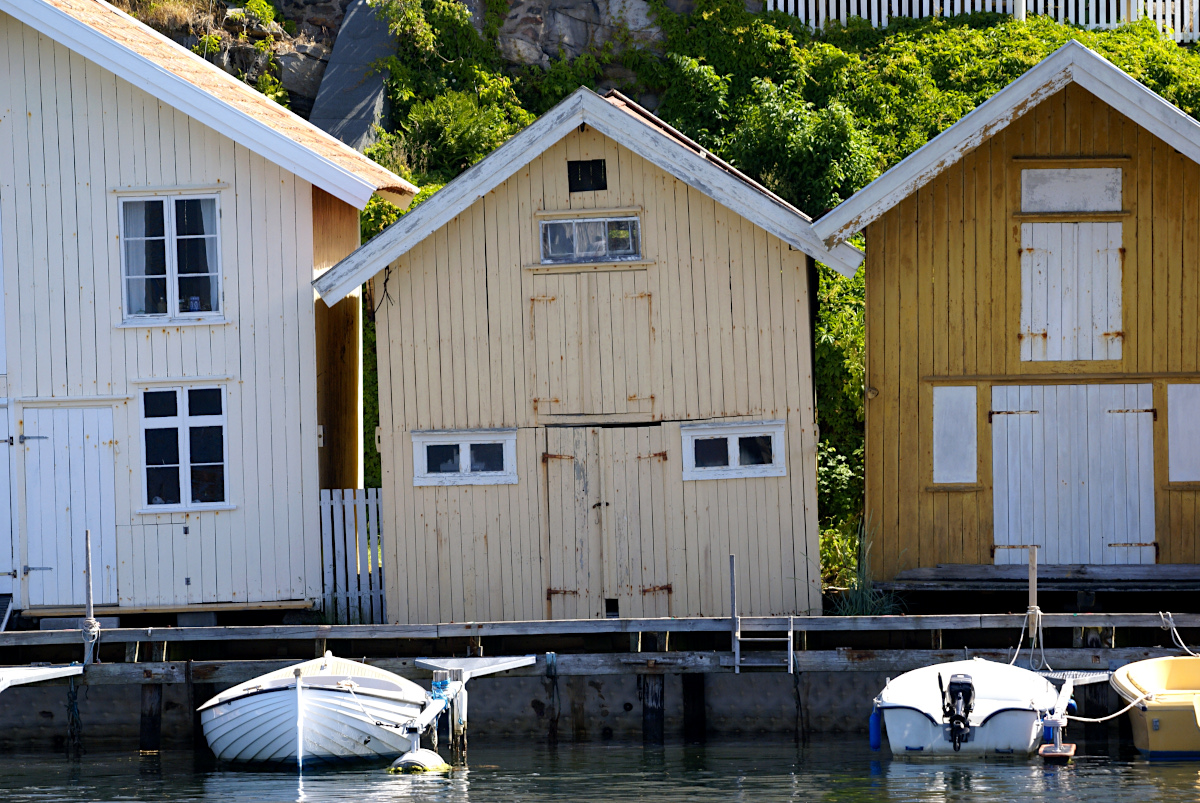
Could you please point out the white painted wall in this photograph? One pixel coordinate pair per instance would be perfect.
(955, 434)
(72, 137)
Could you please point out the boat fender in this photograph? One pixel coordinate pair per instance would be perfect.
(423, 760)
(876, 727)
(1048, 733)
(1071, 706)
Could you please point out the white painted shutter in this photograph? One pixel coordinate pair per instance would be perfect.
(1073, 472)
(1070, 291)
(955, 436)
(1183, 433)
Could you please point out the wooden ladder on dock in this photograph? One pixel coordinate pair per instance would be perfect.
(739, 639)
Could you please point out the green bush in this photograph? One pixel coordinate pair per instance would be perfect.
(262, 10)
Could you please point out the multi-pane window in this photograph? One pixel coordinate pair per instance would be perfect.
(466, 457)
(591, 240)
(727, 451)
(184, 440)
(170, 257)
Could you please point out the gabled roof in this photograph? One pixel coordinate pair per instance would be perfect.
(622, 121)
(119, 43)
(1071, 63)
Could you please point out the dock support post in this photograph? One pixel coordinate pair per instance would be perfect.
(653, 720)
(458, 721)
(695, 713)
(150, 731)
(150, 735)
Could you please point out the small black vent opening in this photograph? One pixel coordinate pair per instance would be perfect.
(588, 175)
(612, 609)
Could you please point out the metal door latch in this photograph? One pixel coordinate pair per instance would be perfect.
(27, 569)
(24, 438)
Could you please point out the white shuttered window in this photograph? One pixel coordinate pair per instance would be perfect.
(955, 435)
(1070, 271)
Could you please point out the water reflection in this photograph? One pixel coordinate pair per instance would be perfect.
(836, 770)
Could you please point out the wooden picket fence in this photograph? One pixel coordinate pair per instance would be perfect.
(1177, 17)
(350, 550)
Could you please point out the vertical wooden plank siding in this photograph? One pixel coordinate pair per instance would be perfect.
(74, 140)
(715, 327)
(958, 240)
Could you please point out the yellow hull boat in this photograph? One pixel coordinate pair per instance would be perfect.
(1166, 717)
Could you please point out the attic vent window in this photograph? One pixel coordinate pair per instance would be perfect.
(588, 175)
(591, 240)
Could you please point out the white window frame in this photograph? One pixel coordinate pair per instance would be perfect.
(464, 438)
(732, 431)
(588, 258)
(172, 258)
(181, 423)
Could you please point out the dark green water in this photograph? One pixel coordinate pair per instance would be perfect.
(829, 769)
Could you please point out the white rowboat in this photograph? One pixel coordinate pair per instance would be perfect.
(342, 710)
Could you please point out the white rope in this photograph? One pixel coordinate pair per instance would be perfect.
(1035, 635)
(1168, 623)
(91, 635)
(1110, 716)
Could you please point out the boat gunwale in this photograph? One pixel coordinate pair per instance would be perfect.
(291, 686)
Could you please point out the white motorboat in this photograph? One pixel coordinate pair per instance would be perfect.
(325, 709)
(973, 708)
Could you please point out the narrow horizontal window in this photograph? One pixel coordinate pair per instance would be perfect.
(730, 451)
(465, 457)
(183, 434)
(170, 252)
(591, 240)
(1071, 189)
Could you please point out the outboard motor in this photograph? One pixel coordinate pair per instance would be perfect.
(957, 701)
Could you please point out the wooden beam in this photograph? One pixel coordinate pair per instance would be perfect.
(561, 627)
(223, 674)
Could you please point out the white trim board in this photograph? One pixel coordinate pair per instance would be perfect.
(194, 101)
(754, 203)
(1071, 63)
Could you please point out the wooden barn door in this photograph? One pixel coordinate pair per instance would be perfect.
(69, 472)
(606, 502)
(1073, 472)
(591, 338)
(633, 511)
(571, 461)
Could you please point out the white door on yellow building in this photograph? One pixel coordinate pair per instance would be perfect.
(69, 489)
(1073, 472)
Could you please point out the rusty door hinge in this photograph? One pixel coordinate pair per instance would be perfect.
(1010, 412)
(1141, 545)
(655, 456)
(550, 592)
(655, 589)
(1152, 410)
(547, 457)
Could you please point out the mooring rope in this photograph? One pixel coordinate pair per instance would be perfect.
(1168, 623)
(1110, 716)
(1035, 634)
(91, 636)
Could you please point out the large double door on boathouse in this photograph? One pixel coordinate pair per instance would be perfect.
(1073, 472)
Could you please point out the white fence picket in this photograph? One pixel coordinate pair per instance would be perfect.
(351, 546)
(1179, 17)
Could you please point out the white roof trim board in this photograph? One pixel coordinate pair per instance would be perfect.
(191, 99)
(1072, 62)
(652, 144)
